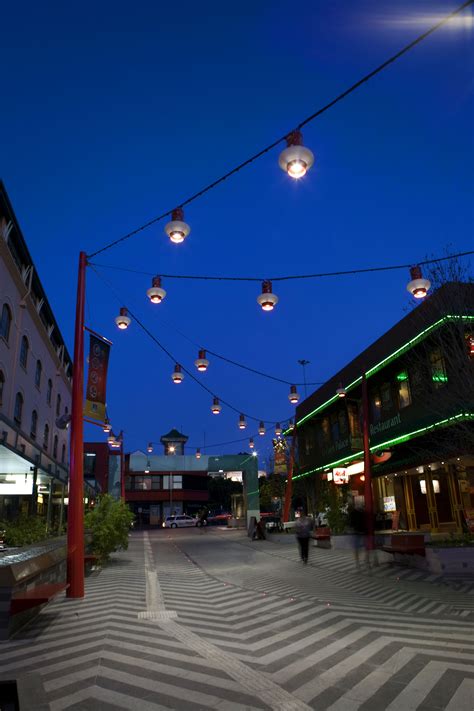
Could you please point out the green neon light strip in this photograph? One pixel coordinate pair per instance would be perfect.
(390, 442)
(409, 344)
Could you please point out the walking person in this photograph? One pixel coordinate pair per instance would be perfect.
(303, 529)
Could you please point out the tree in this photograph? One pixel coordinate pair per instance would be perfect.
(109, 522)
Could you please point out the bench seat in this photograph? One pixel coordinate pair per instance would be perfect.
(37, 596)
(406, 544)
(322, 534)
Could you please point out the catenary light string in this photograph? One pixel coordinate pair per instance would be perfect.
(300, 125)
(185, 370)
(319, 275)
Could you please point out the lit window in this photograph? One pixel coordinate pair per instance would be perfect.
(5, 322)
(438, 368)
(25, 347)
(404, 395)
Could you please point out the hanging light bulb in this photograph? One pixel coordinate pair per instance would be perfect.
(291, 425)
(177, 230)
(242, 422)
(201, 363)
(107, 426)
(177, 376)
(261, 429)
(266, 299)
(215, 407)
(294, 396)
(156, 294)
(111, 438)
(295, 159)
(171, 449)
(198, 453)
(341, 391)
(149, 449)
(123, 319)
(278, 429)
(251, 443)
(147, 468)
(418, 286)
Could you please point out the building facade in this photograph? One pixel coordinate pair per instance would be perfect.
(35, 384)
(420, 385)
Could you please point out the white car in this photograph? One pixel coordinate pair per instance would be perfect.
(181, 521)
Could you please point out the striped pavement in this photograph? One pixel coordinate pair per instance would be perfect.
(184, 620)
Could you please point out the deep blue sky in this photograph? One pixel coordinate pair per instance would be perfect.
(115, 112)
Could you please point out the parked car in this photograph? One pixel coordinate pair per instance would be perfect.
(181, 521)
(218, 519)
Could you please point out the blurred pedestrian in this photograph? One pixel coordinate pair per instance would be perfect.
(303, 529)
(259, 532)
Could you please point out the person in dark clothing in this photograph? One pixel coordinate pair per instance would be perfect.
(303, 528)
(259, 532)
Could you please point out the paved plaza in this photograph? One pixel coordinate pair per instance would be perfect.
(188, 619)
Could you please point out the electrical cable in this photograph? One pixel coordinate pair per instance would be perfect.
(302, 123)
(185, 370)
(320, 275)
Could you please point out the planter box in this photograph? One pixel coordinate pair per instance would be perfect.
(450, 560)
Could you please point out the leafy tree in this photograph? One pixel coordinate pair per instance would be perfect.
(109, 522)
(24, 530)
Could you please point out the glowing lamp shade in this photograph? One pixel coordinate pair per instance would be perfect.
(147, 468)
(155, 293)
(216, 407)
(418, 287)
(177, 376)
(171, 449)
(341, 391)
(107, 426)
(295, 159)
(291, 424)
(149, 449)
(198, 453)
(177, 230)
(242, 422)
(278, 429)
(201, 363)
(266, 299)
(261, 429)
(123, 320)
(251, 443)
(293, 396)
(111, 438)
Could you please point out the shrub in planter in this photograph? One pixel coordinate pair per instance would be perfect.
(24, 530)
(109, 523)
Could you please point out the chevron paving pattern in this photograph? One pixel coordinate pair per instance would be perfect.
(183, 620)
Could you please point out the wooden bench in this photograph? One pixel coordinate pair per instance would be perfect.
(406, 543)
(37, 596)
(322, 537)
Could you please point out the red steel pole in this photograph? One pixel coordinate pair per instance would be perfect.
(369, 501)
(75, 524)
(289, 480)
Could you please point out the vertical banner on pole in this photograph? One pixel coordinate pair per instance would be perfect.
(97, 379)
(280, 458)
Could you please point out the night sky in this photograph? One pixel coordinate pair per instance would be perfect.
(113, 113)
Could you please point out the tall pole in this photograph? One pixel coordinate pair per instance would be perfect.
(75, 527)
(304, 363)
(289, 480)
(369, 502)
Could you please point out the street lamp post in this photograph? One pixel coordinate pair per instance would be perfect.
(304, 363)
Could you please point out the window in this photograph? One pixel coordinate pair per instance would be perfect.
(177, 481)
(156, 482)
(34, 424)
(55, 447)
(386, 397)
(17, 414)
(49, 392)
(63, 454)
(342, 416)
(38, 371)
(89, 464)
(404, 395)
(25, 347)
(438, 368)
(2, 383)
(334, 427)
(46, 436)
(376, 407)
(5, 322)
(58, 405)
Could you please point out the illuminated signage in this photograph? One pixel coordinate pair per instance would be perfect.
(340, 476)
(16, 485)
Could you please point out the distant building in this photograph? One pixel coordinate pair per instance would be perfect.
(35, 384)
(103, 468)
(420, 378)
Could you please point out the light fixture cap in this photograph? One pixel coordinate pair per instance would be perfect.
(177, 230)
(295, 159)
(418, 286)
(177, 376)
(266, 299)
(123, 320)
(293, 396)
(242, 422)
(216, 406)
(278, 429)
(261, 429)
(201, 362)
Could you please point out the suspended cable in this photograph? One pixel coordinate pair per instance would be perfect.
(182, 368)
(318, 275)
(302, 123)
